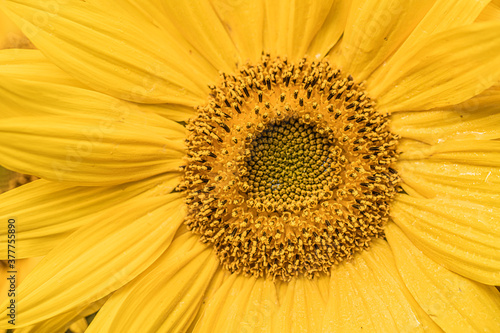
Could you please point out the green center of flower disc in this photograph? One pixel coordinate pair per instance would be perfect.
(290, 166)
(288, 169)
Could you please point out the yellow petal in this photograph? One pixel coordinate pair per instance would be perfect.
(88, 151)
(473, 183)
(444, 15)
(244, 23)
(241, 304)
(226, 294)
(490, 12)
(32, 64)
(166, 296)
(460, 235)
(368, 295)
(455, 303)
(472, 152)
(219, 277)
(25, 71)
(438, 126)
(64, 99)
(489, 99)
(61, 323)
(96, 260)
(374, 30)
(291, 25)
(445, 69)
(331, 30)
(79, 326)
(198, 23)
(47, 212)
(113, 50)
(302, 305)
(175, 112)
(154, 11)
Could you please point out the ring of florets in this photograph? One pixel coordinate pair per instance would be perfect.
(288, 169)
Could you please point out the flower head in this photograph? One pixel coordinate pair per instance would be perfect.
(237, 166)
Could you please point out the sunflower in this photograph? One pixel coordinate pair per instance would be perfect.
(248, 166)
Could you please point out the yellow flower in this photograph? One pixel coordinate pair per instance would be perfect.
(340, 171)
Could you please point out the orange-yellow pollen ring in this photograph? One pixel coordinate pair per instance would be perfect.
(288, 169)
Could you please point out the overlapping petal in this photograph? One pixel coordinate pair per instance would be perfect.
(368, 294)
(373, 31)
(244, 23)
(302, 305)
(113, 51)
(443, 15)
(89, 151)
(47, 212)
(240, 304)
(460, 235)
(166, 297)
(434, 127)
(61, 323)
(331, 30)
(479, 184)
(444, 69)
(197, 23)
(490, 12)
(290, 26)
(455, 303)
(96, 260)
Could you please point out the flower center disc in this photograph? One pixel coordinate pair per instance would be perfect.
(288, 169)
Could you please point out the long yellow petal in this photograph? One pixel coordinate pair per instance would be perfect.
(473, 183)
(444, 15)
(175, 112)
(79, 326)
(241, 304)
(488, 99)
(455, 303)
(154, 11)
(61, 99)
(61, 323)
(25, 71)
(88, 151)
(331, 30)
(290, 26)
(220, 303)
(47, 212)
(166, 296)
(32, 64)
(438, 126)
(302, 305)
(244, 23)
(374, 30)
(460, 235)
(490, 12)
(113, 51)
(198, 23)
(219, 277)
(96, 260)
(445, 69)
(368, 295)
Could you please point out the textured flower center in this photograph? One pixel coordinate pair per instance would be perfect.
(288, 169)
(290, 165)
